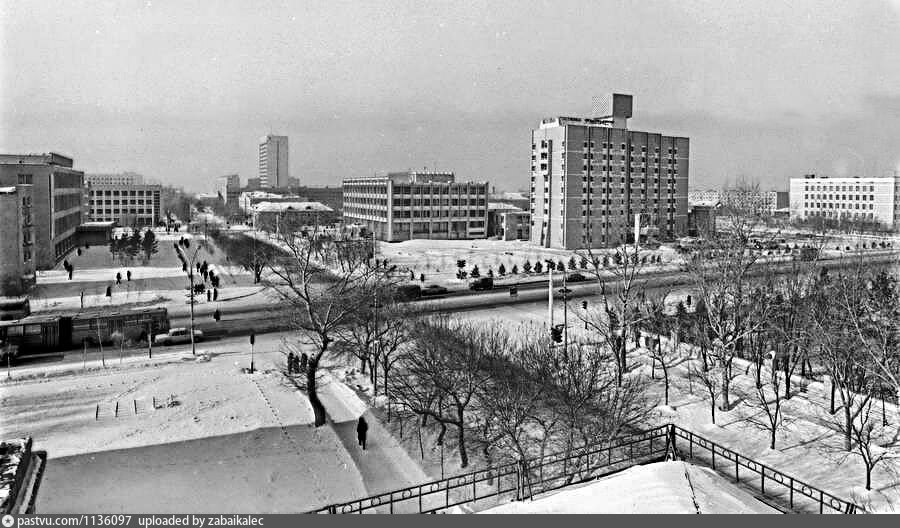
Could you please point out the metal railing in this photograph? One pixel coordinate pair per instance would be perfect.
(776, 486)
(516, 480)
(525, 479)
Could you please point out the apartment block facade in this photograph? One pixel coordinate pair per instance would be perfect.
(273, 161)
(763, 203)
(591, 176)
(417, 205)
(16, 239)
(58, 204)
(874, 199)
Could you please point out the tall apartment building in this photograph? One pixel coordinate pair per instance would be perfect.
(57, 201)
(116, 199)
(16, 239)
(273, 161)
(875, 199)
(591, 176)
(409, 205)
(763, 203)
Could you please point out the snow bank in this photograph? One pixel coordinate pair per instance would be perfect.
(663, 487)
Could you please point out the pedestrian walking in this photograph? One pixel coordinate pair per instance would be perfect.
(362, 427)
(290, 363)
(118, 278)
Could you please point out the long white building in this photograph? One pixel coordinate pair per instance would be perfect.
(874, 199)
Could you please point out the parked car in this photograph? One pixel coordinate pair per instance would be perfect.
(408, 292)
(484, 283)
(576, 277)
(434, 289)
(564, 291)
(176, 336)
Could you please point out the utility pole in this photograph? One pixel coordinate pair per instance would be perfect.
(550, 294)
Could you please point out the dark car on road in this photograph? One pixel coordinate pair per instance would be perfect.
(576, 277)
(564, 291)
(409, 292)
(434, 289)
(484, 283)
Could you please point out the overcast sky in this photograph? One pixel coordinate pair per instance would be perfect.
(181, 90)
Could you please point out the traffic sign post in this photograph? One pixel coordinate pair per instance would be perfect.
(252, 343)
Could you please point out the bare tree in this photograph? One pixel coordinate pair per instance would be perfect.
(664, 355)
(766, 403)
(321, 302)
(867, 435)
(621, 291)
(722, 278)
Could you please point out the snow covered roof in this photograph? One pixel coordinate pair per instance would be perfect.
(277, 207)
(7, 190)
(509, 196)
(663, 487)
(500, 206)
(704, 203)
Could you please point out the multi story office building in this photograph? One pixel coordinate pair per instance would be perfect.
(125, 178)
(229, 189)
(762, 203)
(873, 200)
(273, 161)
(127, 204)
(408, 205)
(590, 177)
(16, 239)
(57, 201)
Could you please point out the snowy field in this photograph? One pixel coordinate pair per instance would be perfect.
(123, 297)
(219, 440)
(663, 487)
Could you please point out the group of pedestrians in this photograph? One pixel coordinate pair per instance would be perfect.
(297, 364)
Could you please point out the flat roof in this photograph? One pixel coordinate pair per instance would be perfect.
(264, 207)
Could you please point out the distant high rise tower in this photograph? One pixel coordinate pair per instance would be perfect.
(273, 161)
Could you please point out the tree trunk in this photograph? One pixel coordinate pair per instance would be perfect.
(461, 437)
(772, 437)
(868, 477)
(312, 394)
(665, 372)
(848, 428)
(725, 388)
(712, 409)
(787, 377)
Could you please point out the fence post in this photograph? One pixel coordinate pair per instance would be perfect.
(97, 413)
(792, 493)
(135, 405)
(117, 409)
(821, 502)
(762, 481)
(736, 467)
(713, 450)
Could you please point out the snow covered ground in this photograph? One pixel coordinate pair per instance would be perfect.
(219, 440)
(663, 487)
(809, 447)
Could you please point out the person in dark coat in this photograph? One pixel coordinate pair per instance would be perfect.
(362, 427)
(290, 363)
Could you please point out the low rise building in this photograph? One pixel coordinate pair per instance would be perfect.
(58, 205)
(868, 200)
(417, 205)
(508, 222)
(229, 189)
(16, 240)
(702, 218)
(273, 216)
